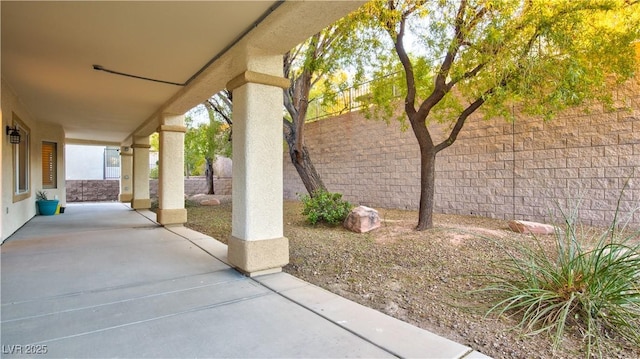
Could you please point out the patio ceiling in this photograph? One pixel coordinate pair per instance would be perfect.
(49, 50)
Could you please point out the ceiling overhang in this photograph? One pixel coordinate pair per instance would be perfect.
(49, 50)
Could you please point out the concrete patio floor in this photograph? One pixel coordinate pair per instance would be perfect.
(102, 280)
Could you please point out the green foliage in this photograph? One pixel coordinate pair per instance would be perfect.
(204, 141)
(486, 56)
(592, 288)
(153, 173)
(188, 203)
(41, 196)
(154, 141)
(545, 55)
(325, 65)
(155, 203)
(326, 207)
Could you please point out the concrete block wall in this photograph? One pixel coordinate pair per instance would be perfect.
(369, 162)
(108, 190)
(192, 185)
(223, 185)
(196, 185)
(92, 190)
(495, 168)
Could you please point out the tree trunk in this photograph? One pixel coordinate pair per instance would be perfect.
(208, 173)
(306, 170)
(427, 188)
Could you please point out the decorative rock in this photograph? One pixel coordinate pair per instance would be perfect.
(362, 219)
(527, 227)
(210, 202)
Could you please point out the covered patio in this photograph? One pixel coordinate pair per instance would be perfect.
(116, 280)
(113, 73)
(103, 280)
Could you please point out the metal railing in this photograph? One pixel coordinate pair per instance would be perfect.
(351, 99)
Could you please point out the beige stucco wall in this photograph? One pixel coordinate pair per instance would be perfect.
(50, 133)
(14, 215)
(494, 169)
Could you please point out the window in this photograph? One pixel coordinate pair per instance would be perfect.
(111, 163)
(21, 162)
(49, 165)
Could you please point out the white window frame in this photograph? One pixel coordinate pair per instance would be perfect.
(21, 158)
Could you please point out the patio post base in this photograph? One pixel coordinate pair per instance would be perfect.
(258, 257)
(167, 217)
(125, 197)
(139, 203)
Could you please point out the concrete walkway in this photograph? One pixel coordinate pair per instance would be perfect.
(102, 280)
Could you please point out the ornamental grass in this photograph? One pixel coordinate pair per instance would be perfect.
(590, 284)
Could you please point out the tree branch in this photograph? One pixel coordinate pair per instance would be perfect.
(462, 119)
(209, 104)
(289, 131)
(469, 74)
(410, 99)
(457, 40)
(288, 102)
(476, 18)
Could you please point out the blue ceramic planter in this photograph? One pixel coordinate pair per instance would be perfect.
(48, 207)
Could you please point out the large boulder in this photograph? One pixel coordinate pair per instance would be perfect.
(205, 199)
(210, 202)
(362, 219)
(531, 227)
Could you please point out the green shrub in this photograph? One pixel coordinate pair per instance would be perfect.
(592, 288)
(153, 173)
(155, 203)
(188, 203)
(326, 207)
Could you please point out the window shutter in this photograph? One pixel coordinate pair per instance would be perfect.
(49, 165)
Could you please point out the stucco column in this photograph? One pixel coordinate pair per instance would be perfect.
(257, 244)
(126, 174)
(171, 209)
(141, 198)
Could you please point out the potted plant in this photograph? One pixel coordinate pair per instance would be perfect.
(46, 207)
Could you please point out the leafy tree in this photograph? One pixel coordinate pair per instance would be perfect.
(219, 108)
(190, 147)
(202, 144)
(315, 63)
(334, 100)
(154, 141)
(544, 55)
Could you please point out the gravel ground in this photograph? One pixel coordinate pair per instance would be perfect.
(423, 278)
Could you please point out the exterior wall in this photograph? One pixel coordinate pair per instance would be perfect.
(494, 169)
(85, 162)
(108, 190)
(14, 215)
(50, 133)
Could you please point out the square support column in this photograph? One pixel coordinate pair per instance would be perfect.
(171, 209)
(141, 198)
(257, 244)
(126, 174)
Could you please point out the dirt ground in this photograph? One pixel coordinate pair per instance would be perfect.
(424, 278)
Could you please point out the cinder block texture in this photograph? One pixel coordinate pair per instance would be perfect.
(92, 190)
(496, 168)
(108, 190)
